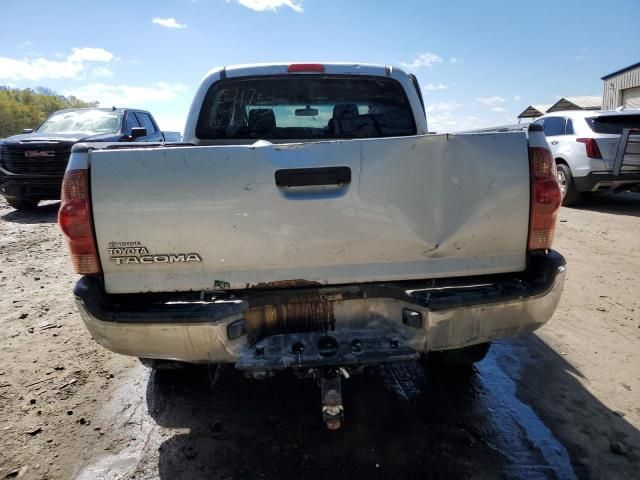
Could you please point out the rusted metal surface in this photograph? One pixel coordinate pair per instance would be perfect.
(286, 284)
(343, 348)
(308, 316)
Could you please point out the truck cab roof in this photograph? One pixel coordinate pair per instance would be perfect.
(331, 68)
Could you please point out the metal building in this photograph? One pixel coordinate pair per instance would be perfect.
(533, 111)
(622, 88)
(593, 102)
(565, 103)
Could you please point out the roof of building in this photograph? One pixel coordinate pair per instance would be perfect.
(622, 70)
(534, 111)
(577, 103)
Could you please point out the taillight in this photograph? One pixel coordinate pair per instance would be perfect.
(546, 198)
(74, 218)
(306, 68)
(592, 147)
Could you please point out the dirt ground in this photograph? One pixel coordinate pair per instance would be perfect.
(563, 403)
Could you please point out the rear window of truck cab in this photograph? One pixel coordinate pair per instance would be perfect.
(305, 107)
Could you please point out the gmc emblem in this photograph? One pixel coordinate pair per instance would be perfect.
(40, 154)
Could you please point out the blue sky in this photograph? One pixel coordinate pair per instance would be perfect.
(479, 62)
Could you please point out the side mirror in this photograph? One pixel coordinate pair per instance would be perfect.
(27, 130)
(137, 132)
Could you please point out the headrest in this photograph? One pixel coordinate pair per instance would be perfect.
(261, 120)
(345, 111)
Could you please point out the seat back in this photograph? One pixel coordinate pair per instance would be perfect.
(261, 120)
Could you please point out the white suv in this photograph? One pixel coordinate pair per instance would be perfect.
(595, 151)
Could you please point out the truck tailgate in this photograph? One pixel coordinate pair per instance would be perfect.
(210, 218)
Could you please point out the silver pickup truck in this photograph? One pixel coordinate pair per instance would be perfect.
(310, 223)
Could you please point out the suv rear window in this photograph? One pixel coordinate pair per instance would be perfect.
(613, 123)
(305, 107)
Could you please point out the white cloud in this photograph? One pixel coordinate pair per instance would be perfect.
(491, 101)
(454, 60)
(516, 98)
(443, 106)
(127, 95)
(79, 55)
(431, 86)
(171, 123)
(271, 5)
(452, 117)
(168, 22)
(447, 122)
(35, 69)
(102, 72)
(584, 54)
(423, 60)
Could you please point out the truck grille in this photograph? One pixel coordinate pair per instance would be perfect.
(36, 158)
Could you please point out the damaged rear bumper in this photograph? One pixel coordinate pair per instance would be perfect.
(264, 330)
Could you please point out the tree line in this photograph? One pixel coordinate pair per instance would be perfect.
(28, 108)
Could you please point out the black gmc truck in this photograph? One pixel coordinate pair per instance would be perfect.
(32, 164)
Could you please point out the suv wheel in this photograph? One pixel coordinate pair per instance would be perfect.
(23, 203)
(569, 193)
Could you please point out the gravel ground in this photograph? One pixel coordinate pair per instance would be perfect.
(564, 403)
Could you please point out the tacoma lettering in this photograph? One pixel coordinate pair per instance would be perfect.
(161, 258)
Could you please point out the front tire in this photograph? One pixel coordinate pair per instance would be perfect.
(570, 195)
(23, 203)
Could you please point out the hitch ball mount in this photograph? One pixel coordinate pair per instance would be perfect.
(331, 395)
